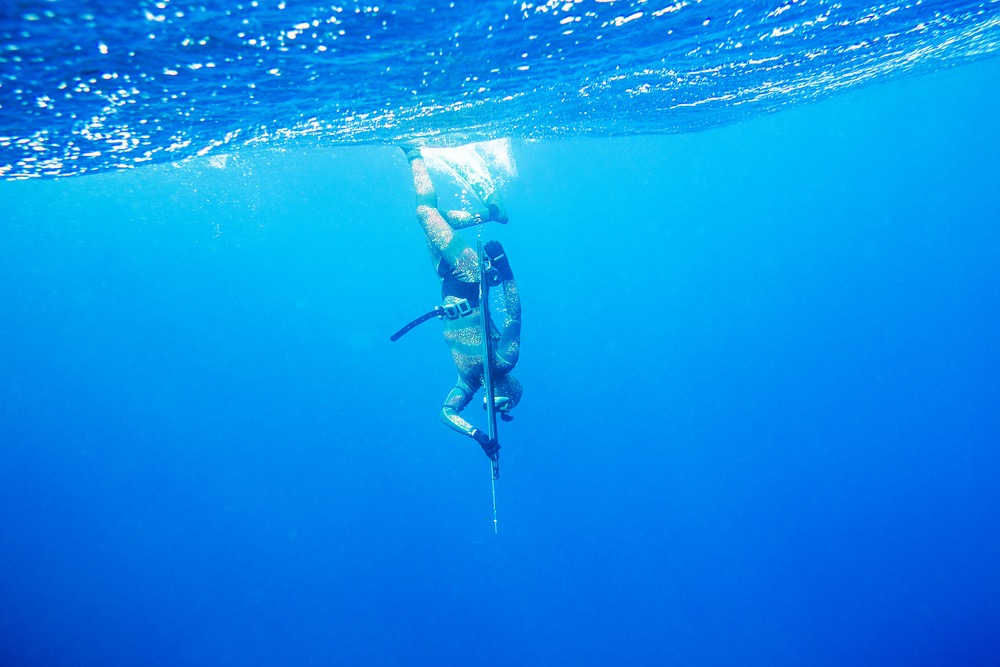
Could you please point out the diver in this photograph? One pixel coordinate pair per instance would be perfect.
(457, 266)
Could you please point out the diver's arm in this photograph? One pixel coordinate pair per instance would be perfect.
(459, 397)
(507, 349)
(512, 302)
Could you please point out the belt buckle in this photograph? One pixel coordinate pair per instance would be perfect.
(460, 308)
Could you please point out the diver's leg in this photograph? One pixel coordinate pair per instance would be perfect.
(440, 235)
(456, 219)
(479, 177)
(495, 208)
(495, 211)
(422, 183)
(459, 219)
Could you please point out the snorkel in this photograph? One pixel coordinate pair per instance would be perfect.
(508, 395)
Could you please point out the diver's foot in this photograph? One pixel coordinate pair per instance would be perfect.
(412, 151)
(498, 212)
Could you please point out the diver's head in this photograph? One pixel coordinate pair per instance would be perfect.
(506, 395)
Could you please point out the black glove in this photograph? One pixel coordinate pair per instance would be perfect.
(498, 259)
(491, 447)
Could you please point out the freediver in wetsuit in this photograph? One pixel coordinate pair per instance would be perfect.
(457, 267)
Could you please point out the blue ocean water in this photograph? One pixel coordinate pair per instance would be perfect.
(760, 361)
(88, 86)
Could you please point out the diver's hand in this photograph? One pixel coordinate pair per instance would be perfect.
(491, 447)
(498, 260)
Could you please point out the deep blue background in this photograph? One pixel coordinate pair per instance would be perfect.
(760, 423)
